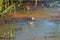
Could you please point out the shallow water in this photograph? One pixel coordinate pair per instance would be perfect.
(40, 28)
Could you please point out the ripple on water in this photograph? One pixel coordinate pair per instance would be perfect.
(41, 28)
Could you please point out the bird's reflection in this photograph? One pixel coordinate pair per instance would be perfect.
(31, 23)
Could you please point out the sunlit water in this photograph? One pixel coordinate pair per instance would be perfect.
(40, 28)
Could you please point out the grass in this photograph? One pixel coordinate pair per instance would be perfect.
(8, 27)
(5, 28)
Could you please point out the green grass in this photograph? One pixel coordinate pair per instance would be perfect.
(8, 27)
(5, 28)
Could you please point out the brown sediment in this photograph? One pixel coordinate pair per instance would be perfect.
(36, 15)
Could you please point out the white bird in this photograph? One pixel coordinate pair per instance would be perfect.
(33, 18)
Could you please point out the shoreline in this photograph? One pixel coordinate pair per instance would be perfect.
(31, 15)
(36, 16)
